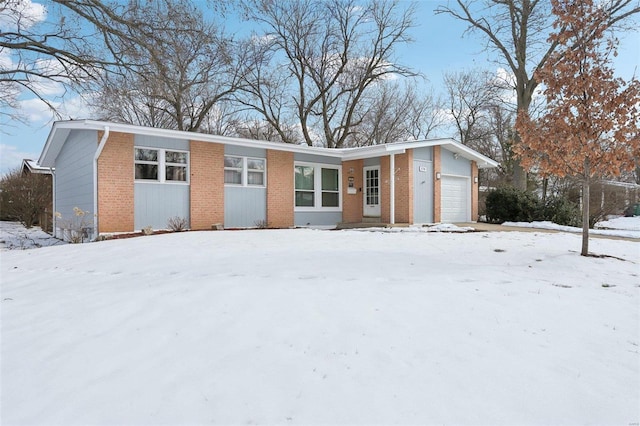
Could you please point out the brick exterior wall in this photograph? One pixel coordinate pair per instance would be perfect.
(280, 189)
(385, 207)
(115, 183)
(437, 185)
(404, 187)
(474, 191)
(352, 203)
(206, 184)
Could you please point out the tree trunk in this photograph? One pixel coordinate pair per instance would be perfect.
(585, 214)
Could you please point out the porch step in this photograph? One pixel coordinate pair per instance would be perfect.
(344, 225)
(371, 219)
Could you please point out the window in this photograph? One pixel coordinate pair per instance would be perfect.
(146, 164)
(330, 188)
(176, 166)
(244, 171)
(233, 170)
(161, 165)
(305, 194)
(317, 187)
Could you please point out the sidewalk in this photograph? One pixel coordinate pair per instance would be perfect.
(492, 227)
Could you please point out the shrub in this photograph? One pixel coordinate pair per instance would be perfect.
(78, 228)
(510, 204)
(177, 224)
(561, 211)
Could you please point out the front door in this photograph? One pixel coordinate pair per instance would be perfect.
(371, 203)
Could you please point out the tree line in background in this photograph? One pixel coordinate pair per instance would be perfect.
(326, 73)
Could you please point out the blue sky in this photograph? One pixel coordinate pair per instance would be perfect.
(439, 47)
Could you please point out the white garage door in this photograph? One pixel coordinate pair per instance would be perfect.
(456, 199)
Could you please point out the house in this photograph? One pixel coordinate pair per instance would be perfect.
(30, 167)
(130, 177)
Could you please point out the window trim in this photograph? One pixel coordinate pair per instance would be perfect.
(244, 172)
(162, 164)
(317, 187)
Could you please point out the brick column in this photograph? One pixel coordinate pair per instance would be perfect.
(385, 206)
(404, 187)
(206, 184)
(115, 184)
(352, 203)
(280, 189)
(437, 185)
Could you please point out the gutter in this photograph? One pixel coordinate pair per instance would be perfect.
(101, 144)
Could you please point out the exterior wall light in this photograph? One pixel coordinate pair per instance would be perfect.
(438, 175)
(475, 179)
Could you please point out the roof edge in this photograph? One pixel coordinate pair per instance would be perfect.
(342, 153)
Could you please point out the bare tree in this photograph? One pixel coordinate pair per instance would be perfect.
(471, 93)
(24, 197)
(518, 31)
(397, 111)
(38, 53)
(483, 118)
(319, 59)
(174, 76)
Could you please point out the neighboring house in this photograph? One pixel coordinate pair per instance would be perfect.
(30, 167)
(131, 177)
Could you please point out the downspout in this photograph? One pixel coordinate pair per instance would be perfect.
(392, 189)
(101, 145)
(54, 227)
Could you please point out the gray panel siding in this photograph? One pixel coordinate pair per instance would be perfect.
(424, 153)
(452, 166)
(375, 161)
(74, 173)
(244, 207)
(310, 158)
(158, 142)
(422, 191)
(244, 151)
(317, 218)
(155, 203)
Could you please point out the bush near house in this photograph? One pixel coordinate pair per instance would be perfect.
(512, 205)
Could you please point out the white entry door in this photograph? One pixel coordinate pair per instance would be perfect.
(371, 202)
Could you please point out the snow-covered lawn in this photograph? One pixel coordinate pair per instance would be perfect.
(14, 236)
(628, 223)
(322, 327)
(617, 228)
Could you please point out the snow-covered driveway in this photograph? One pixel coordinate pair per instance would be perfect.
(322, 327)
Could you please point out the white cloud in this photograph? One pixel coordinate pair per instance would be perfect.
(21, 14)
(11, 157)
(71, 107)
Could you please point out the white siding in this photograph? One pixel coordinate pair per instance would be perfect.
(74, 174)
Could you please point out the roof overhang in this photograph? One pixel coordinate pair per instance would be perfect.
(61, 130)
(401, 147)
(33, 168)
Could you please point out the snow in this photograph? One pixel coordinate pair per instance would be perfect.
(615, 232)
(14, 236)
(628, 223)
(436, 227)
(322, 327)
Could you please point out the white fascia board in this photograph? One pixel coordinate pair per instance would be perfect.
(483, 161)
(202, 137)
(61, 129)
(53, 145)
